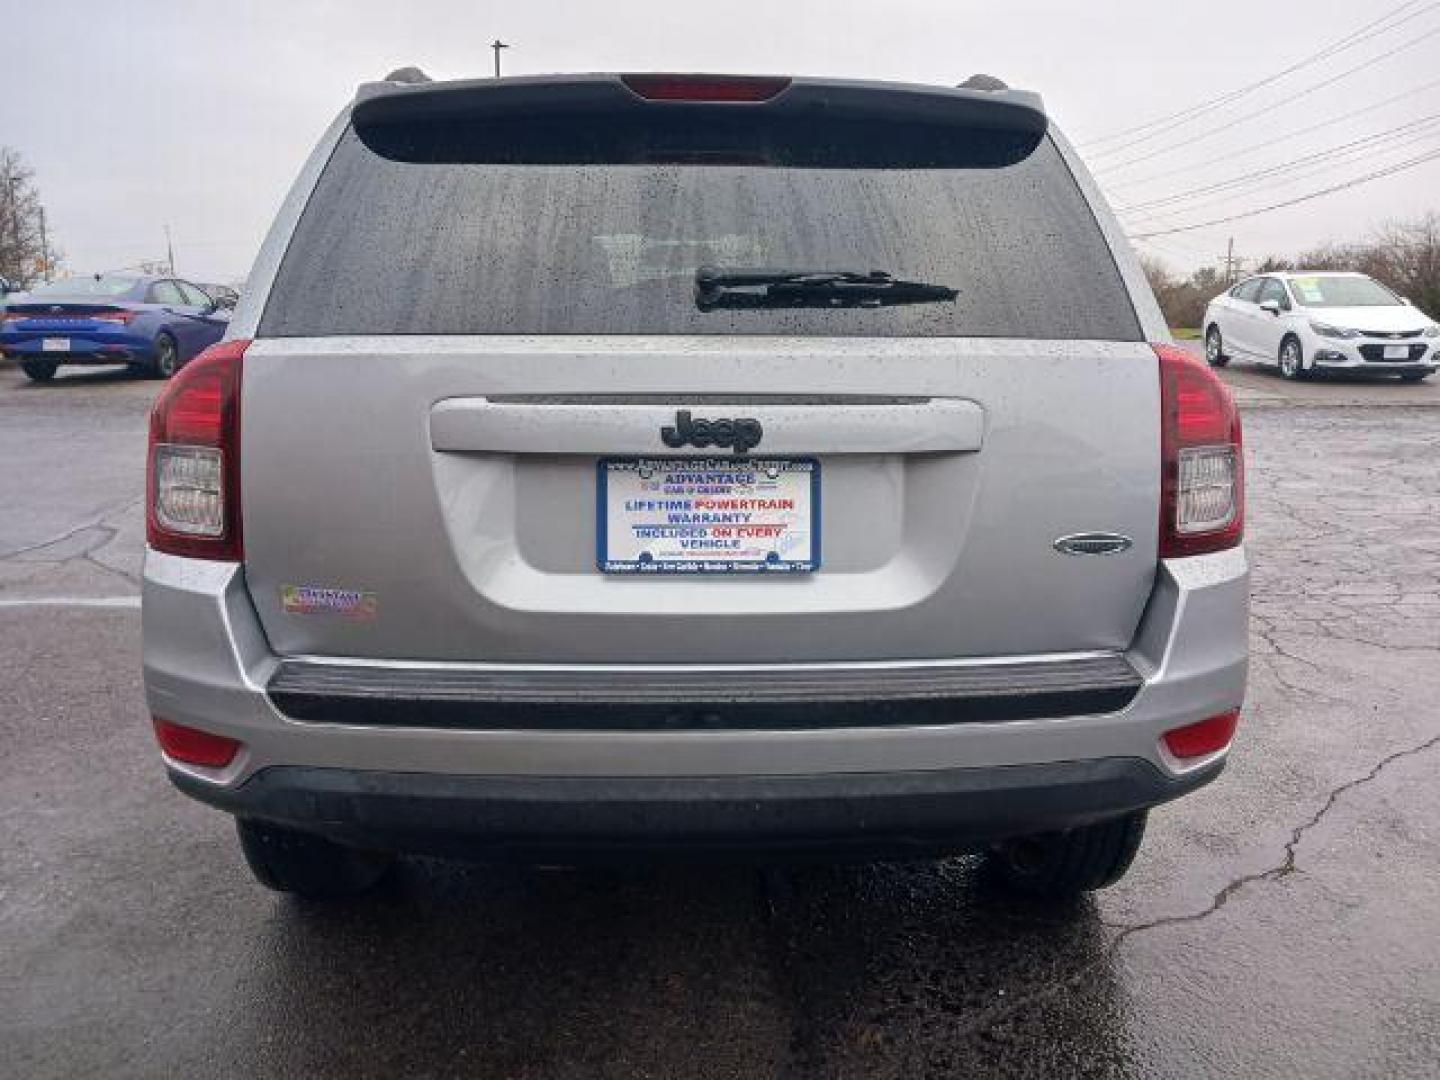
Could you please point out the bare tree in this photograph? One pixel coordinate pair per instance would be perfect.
(1273, 264)
(23, 245)
(1331, 256)
(1182, 300)
(1406, 256)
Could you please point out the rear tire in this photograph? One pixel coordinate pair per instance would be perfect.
(167, 357)
(307, 865)
(39, 370)
(1059, 866)
(1215, 348)
(1292, 359)
(1415, 376)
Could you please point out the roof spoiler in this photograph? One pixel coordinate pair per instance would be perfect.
(982, 101)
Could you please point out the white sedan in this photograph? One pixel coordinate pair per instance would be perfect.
(1309, 322)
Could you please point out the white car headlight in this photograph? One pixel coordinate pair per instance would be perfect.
(1431, 331)
(1326, 330)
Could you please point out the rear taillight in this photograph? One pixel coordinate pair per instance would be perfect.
(705, 87)
(193, 746)
(123, 318)
(1202, 478)
(193, 496)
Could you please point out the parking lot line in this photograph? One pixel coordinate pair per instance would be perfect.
(71, 601)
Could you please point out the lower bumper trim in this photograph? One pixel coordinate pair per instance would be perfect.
(544, 817)
(794, 699)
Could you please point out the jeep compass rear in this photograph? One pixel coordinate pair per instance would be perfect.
(606, 465)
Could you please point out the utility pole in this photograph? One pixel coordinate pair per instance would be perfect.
(169, 250)
(497, 45)
(1231, 263)
(44, 247)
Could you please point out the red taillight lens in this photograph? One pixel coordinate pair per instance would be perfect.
(122, 318)
(195, 747)
(193, 476)
(705, 87)
(1206, 737)
(1202, 478)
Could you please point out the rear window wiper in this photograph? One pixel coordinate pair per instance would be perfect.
(768, 288)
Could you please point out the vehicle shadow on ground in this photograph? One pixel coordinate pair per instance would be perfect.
(1351, 378)
(876, 970)
(85, 377)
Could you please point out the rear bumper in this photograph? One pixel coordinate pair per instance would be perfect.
(89, 348)
(575, 817)
(763, 758)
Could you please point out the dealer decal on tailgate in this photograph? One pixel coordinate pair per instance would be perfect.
(314, 600)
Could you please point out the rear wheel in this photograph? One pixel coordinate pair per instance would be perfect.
(1414, 376)
(39, 370)
(1060, 865)
(307, 865)
(167, 357)
(1292, 362)
(1215, 348)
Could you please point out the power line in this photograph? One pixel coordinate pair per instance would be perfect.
(1152, 219)
(1166, 217)
(1177, 245)
(1331, 122)
(1356, 182)
(1349, 41)
(1343, 149)
(1246, 118)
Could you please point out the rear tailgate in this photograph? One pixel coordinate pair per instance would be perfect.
(456, 339)
(489, 553)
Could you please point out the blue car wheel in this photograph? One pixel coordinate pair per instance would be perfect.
(167, 356)
(39, 370)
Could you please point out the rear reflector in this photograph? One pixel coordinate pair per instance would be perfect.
(1202, 484)
(705, 87)
(194, 475)
(1206, 737)
(195, 747)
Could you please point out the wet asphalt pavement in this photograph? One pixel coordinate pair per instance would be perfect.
(1283, 922)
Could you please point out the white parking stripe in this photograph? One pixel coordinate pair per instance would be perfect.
(73, 601)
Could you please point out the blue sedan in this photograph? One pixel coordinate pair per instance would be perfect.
(153, 324)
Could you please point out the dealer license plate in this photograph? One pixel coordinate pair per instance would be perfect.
(1397, 352)
(708, 515)
(55, 344)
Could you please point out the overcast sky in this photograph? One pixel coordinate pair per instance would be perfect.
(136, 113)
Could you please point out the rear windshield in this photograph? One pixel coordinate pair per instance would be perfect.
(99, 287)
(390, 246)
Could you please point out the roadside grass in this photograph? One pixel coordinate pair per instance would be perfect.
(1185, 333)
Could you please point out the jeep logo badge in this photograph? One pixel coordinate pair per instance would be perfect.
(739, 435)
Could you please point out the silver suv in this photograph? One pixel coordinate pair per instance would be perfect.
(603, 465)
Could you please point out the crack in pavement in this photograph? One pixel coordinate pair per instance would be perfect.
(98, 523)
(1287, 865)
(106, 536)
(1283, 869)
(129, 575)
